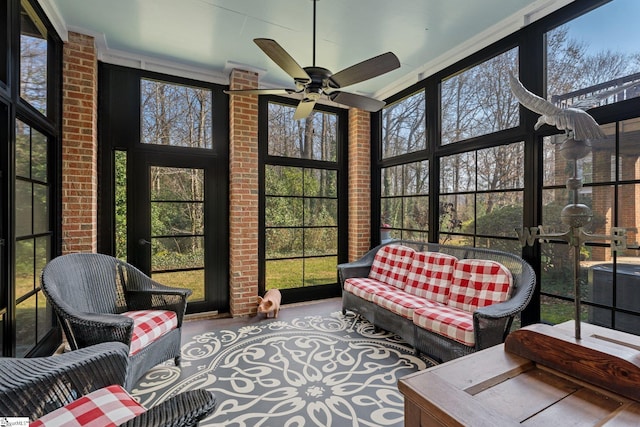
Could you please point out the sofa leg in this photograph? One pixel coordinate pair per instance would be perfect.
(344, 311)
(416, 352)
(176, 360)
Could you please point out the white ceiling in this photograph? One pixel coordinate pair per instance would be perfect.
(206, 38)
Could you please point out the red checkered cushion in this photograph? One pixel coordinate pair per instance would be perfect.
(109, 406)
(446, 321)
(430, 275)
(391, 265)
(478, 283)
(401, 302)
(149, 325)
(364, 288)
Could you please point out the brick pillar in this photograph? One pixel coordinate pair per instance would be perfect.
(79, 145)
(359, 183)
(243, 195)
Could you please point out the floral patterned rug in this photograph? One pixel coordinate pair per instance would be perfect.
(316, 370)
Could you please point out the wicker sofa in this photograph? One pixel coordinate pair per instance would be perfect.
(445, 301)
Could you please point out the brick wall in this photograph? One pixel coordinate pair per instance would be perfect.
(243, 195)
(79, 145)
(359, 183)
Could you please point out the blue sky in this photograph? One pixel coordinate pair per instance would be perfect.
(614, 26)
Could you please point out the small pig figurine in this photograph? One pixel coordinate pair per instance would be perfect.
(270, 303)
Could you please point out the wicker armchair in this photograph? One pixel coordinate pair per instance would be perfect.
(98, 298)
(38, 386)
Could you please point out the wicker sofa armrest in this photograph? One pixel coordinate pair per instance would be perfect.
(36, 386)
(185, 409)
(93, 328)
(358, 268)
(160, 298)
(144, 293)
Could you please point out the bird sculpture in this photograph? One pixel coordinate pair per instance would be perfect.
(577, 124)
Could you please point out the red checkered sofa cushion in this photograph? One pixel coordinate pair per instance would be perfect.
(149, 325)
(430, 276)
(401, 303)
(475, 283)
(109, 406)
(449, 322)
(364, 287)
(391, 265)
(478, 283)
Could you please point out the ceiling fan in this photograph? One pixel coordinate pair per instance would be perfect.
(313, 82)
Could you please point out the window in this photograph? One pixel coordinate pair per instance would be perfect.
(33, 59)
(175, 115)
(33, 236)
(478, 101)
(314, 138)
(301, 200)
(587, 69)
(404, 126)
(481, 197)
(405, 201)
(612, 191)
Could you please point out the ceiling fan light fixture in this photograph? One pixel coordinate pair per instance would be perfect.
(314, 82)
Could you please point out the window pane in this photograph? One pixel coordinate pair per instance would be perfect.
(454, 211)
(176, 115)
(174, 253)
(586, 69)
(177, 184)
(120, 204)
(501, 168)
(320, 241)
(23, 208)
(283, 212)
(320, 182)
(315, 137)
(40, 208)
(416, 213)
(321, 212)
(479, 101)
(283, 181)
(284, 242)
(25, 268)
(392, 182)
(33, 59)
(23, 150)
(629, 153)
(404, 126)
(283, 274)
(416, 179)
(26, 320)
(320, 271)
(39, 160)
(175, 218)
(498, 214)
(458, 173)
(192, 279)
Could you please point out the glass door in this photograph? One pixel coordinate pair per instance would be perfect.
(174, 234)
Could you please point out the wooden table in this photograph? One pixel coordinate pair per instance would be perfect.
(541, 376)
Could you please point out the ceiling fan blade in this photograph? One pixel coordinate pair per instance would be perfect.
(366, 70)
(357, 101)
(259, 91)
(305, 107)
(283, 59)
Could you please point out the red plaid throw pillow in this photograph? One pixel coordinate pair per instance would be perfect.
(391, 265)
(478, 283)
(109, 406)
(149, 325)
